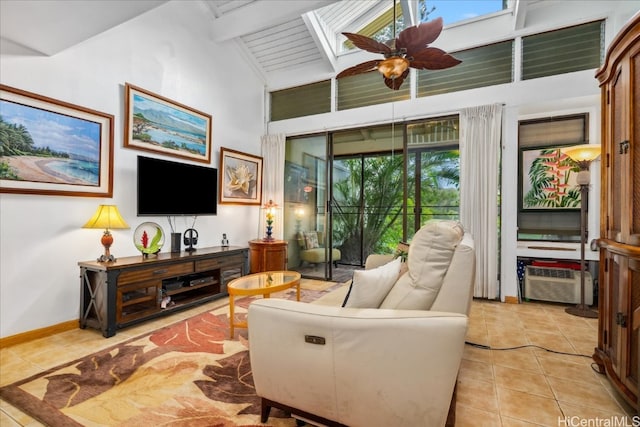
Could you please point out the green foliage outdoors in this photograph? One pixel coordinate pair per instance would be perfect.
(381, 199)
(369, 216)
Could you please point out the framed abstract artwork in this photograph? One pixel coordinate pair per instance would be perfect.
(240, 178)
(158, 124)
(52, 147)
(548, 180)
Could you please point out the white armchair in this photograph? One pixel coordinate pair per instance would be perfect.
(368, 367)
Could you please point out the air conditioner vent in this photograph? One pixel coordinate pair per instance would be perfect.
(560, 273)
(556, 285)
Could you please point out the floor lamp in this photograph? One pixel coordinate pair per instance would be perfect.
(583, 155)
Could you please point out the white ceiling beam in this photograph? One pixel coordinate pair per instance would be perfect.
(410, 12)
(260, 15)
(519, 14)
(320, 38)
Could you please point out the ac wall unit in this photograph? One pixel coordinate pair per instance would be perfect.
(556, 285)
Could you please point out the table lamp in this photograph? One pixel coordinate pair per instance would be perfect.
(107, 217)
(270, 210)
(583, 155)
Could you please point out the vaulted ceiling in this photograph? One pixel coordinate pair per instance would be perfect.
(295, 35)
(277, 37)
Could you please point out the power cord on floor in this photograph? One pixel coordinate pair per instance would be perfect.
(594, 366)
(487, 347)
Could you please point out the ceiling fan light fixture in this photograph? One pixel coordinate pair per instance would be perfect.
(393, 67)
(410, 49)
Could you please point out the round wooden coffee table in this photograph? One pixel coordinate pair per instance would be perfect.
(263, 284)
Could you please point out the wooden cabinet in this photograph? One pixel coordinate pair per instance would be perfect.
(619, 297)
(132, 289)
(267, 256)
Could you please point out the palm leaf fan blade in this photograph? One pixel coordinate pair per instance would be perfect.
(416, 38)
(433, 58)
(409, 49)
(368, 44)
(365, 67)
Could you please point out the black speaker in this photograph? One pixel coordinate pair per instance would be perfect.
(190, 239)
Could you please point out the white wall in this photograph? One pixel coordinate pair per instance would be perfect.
(166, 51)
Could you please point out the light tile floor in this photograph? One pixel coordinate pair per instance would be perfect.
(528, 386)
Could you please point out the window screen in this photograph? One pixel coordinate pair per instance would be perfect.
(368, 89)
(481, 66)
(301, 101)
(563, 51)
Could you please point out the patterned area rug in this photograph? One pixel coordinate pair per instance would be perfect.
(185, 374)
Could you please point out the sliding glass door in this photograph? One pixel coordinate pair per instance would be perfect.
(306, 220)
(368, 188)
(352, 193)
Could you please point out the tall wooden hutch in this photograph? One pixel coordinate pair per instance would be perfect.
(619, 297)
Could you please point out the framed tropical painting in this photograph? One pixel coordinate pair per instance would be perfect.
(158, 124)
(548, 180)
(52, 147)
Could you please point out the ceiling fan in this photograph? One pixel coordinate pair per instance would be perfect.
(409, 49)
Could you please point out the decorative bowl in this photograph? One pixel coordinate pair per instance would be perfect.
(148, 238)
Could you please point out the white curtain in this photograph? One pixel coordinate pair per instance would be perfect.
(273, 147)
(480, 134)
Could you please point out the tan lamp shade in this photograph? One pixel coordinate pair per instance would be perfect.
(393, 67)
(107, 217)
(583, 152)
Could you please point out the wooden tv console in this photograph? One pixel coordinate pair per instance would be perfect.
(133, 289)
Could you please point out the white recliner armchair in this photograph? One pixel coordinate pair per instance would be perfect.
(371, 363)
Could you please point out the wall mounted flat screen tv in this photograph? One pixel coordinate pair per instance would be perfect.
(173, 188)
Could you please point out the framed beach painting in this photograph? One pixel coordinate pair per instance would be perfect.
(548, 180)
(158, 124)
(52, 147)
(240, 178)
